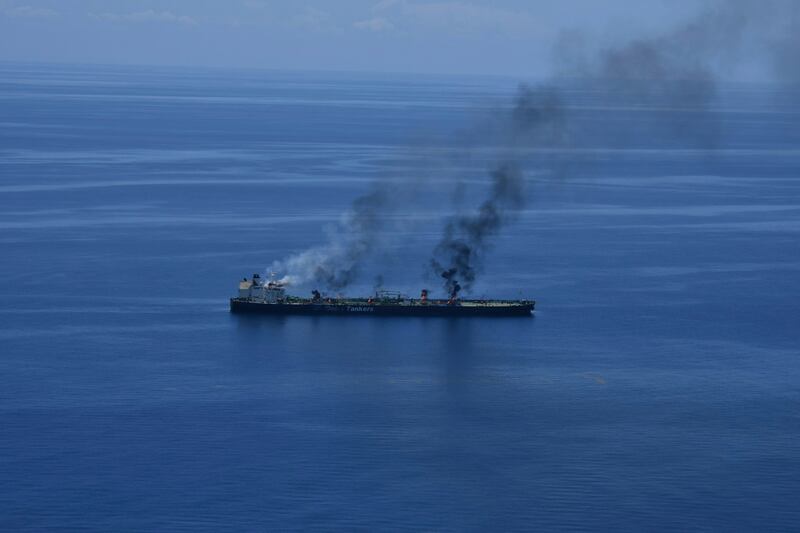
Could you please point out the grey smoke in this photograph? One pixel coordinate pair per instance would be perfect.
(337, 263)
(673, 74)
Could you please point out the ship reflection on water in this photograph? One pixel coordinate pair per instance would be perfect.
(444, 353)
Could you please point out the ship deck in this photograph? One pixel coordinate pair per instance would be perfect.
(365, 306)
(405, 303)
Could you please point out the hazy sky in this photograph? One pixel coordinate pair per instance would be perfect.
(512, 37)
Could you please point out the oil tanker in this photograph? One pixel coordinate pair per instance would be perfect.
(269, 297)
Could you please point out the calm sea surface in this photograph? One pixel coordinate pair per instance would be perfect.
(657, 387)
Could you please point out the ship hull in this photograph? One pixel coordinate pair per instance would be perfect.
(241, 305)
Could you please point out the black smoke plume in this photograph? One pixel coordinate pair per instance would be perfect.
(451, 283)
(672, 75)
(537, 119)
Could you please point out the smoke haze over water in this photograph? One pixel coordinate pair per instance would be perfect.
(673, 76)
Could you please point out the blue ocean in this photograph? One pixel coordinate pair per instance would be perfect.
(657, 386)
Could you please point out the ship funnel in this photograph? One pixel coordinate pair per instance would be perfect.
(424, 296)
